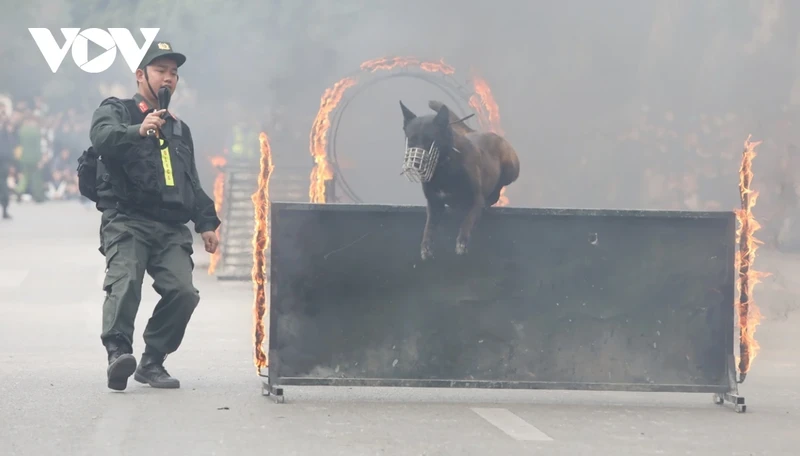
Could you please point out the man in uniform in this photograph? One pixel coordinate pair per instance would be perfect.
(148, 189)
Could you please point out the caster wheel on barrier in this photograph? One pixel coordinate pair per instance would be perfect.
(741, 408)
(718, 399)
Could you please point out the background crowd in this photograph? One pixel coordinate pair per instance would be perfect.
(658, 160)
(39, 150)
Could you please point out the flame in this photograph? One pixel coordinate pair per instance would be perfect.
(386, 63)
(322, 171)
(482, 102)
(260, 246)
(218, 162)
(749, 315)
(503, 201)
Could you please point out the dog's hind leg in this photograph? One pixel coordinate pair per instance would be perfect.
(434, 211)
(468, 224)
(494, 197)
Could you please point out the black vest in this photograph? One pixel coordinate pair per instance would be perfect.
(154, 177)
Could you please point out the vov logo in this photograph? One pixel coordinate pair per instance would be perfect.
(78, 41)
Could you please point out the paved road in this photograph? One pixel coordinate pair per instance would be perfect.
(54, 401)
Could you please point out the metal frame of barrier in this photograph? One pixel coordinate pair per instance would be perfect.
(296, 346)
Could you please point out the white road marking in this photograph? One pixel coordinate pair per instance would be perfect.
(512, 424)
(13, 278)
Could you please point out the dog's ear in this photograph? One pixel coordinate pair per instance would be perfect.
(408, 116)
(442, 119)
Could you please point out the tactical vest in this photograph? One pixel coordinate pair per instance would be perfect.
(153, 177)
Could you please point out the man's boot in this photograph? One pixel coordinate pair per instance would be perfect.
(121, 364)
(151, 372)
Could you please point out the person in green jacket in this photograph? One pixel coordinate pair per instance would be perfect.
(30, 138)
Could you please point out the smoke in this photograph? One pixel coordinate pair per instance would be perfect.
(570, 79)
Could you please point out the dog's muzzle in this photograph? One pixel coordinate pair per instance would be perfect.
(419, 164)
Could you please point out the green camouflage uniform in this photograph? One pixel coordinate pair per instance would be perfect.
(138, 239)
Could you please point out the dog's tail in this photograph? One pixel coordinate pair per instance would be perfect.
(437, 105)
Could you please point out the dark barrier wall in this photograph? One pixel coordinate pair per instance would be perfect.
(569, 296)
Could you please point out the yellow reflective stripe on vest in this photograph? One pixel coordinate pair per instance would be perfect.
(167, 163)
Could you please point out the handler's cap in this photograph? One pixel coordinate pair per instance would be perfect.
(161, 49)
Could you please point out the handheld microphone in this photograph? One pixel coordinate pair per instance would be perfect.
(164, 95)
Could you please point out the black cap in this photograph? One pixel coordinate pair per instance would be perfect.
(161, 49)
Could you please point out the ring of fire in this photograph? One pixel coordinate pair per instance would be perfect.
(326, 124)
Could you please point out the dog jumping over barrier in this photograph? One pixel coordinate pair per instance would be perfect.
(457, 166)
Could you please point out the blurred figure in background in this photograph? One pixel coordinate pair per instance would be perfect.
(32, 159)
(7, 144)
(63, 181)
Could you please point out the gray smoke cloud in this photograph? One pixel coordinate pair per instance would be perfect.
(601, 99)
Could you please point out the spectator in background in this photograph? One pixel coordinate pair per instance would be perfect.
(32, 160)
(40, 108)
(7, 144)
(63, 182)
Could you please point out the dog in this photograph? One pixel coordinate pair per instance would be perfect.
(458, 167)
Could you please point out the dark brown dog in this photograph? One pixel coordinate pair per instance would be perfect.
(458, 167)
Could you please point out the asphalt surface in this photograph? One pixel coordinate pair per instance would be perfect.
(53, 398)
